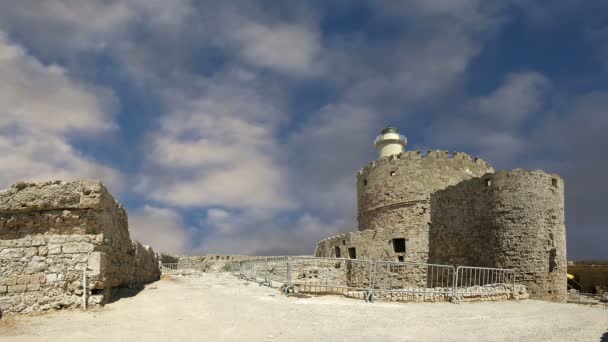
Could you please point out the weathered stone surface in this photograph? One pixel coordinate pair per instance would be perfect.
(454, 210)
(50, 233)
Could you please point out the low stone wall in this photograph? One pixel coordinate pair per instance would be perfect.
(211, 262)
(51, 233)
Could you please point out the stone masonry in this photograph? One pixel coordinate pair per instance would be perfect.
(51, 232)
(453, 209)
(508, 220)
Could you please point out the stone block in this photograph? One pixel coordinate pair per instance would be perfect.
(57, 239)
(17, 288)
(33, 287)
(43, 250)
(3, 289)
(77, 247)
(30, 252)
(38, 241)
(51, 277)
(9, 253)
(54, 249)
(97, 263)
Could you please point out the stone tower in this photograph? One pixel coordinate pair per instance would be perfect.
(452, 209)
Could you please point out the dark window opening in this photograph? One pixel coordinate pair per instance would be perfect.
(365, 182)
(344, 242)
(488, 182)
(554, 182)
(399, 245)
(393, 173)
(337, 251)
(401, 258)
(95, 292)
(352, 253)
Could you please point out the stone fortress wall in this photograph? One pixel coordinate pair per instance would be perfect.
(394, 193)
(508, 220)
(211, 262)
(51, 232)
(411, 204)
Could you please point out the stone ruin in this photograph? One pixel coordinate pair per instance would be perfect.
(53, 233)
(455, 209)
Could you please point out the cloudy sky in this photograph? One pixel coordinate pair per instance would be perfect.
(239, 126)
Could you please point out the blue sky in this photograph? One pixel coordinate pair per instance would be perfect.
(238, 127)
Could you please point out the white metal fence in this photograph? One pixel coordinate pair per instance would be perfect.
(367, 279)
(352, 277)
(397, 280)
(384, 280)
(484, 281)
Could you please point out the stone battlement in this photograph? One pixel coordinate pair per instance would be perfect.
(417, 155)
(55, 195)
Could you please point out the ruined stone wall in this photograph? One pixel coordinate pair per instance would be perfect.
(508, 220)
(212, 262)
(393, 194)
(50, 233)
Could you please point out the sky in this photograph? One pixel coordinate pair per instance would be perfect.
(239, 126)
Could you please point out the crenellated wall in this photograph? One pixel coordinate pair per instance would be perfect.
(50, 233)
(393, 194)
(508, 219)
(454, 210)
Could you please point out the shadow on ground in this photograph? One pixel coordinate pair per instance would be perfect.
(604, 337)
(124, 292)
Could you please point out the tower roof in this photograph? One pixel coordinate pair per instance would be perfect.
(389, 129)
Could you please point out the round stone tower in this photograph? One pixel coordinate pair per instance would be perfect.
(527, 212)
(394, 192)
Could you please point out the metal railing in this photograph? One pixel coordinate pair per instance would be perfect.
(393, 279)
(472, 282)
(385, 280)
(351, 277)
(180, 268)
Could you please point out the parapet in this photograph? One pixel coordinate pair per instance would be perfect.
(418, 156)
(55, 195)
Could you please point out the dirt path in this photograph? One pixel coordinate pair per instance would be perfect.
(220, 307)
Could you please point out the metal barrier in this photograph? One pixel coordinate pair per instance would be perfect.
(369, 280)
(402, 280)
(246, 269)
(351, 277)
(277, 270)
(181, 268)
(483, 281)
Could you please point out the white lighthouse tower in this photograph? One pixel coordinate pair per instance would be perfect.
(389, 142)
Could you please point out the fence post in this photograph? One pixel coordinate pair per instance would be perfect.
(455, 283)
(514, 276)
(289, 273)
(372, 275)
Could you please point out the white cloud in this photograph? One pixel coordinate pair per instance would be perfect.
(162, 228)
(293, 49)
(218, 149)
(254, 233)
(40, 106)
(38, 97)
(520, 95)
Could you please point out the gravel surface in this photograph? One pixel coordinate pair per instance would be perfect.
(220, 307)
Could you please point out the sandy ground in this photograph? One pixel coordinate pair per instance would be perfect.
(220, 307)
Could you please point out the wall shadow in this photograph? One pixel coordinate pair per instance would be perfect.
(124, 292)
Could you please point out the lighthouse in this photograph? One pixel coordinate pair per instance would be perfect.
(389, 142)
